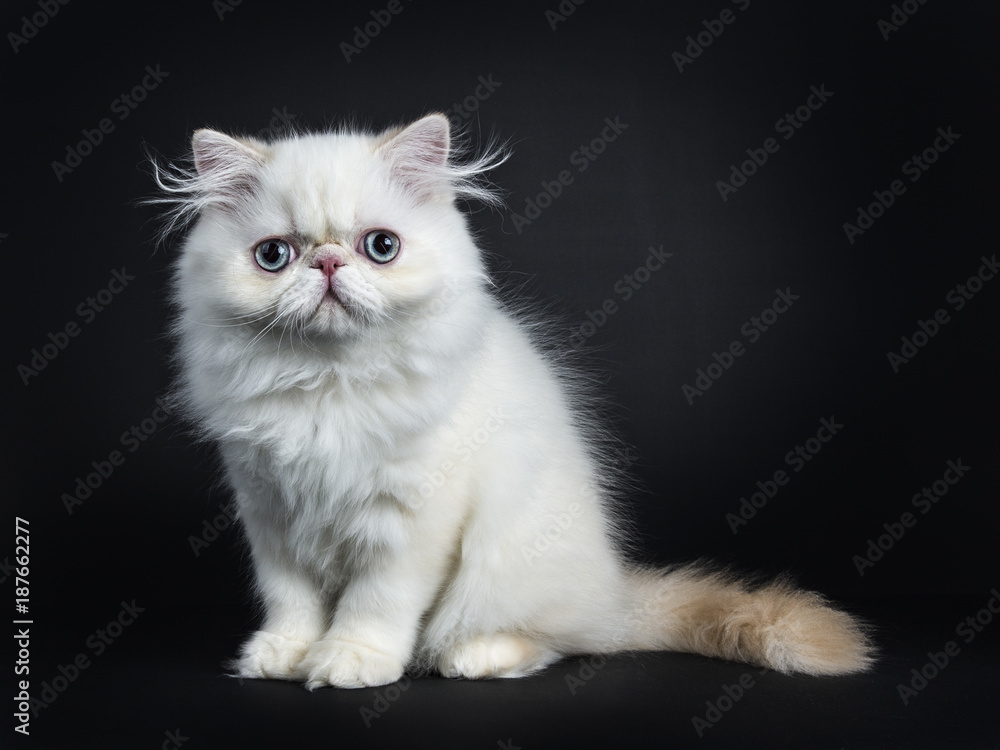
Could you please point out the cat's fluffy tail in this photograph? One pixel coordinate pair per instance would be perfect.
(773, 625)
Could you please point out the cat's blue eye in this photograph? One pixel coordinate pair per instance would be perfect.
(273, 255)
(380, 245)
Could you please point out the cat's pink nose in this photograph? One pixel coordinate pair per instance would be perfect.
(328, 262)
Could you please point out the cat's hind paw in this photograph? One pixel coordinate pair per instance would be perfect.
(497, 655)
(348, 665)
(270, 656)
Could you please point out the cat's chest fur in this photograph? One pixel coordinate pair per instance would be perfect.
(336, 467)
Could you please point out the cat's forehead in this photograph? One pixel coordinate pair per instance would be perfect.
(326, 183)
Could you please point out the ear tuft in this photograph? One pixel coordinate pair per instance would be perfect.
(229, 168)
(418, 154)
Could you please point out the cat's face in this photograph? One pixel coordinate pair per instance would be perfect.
(325, 235)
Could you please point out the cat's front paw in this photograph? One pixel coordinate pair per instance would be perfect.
(348, 665)
(271, 656)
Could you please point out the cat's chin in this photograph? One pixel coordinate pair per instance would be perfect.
(330, 318)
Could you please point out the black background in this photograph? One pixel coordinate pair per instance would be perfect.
(654, 185)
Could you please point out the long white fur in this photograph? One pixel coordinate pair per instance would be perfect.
(418, 483)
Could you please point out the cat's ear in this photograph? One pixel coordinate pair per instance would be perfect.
(417, 155)
(228, 168)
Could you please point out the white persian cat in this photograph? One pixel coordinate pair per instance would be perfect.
(420, 485)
